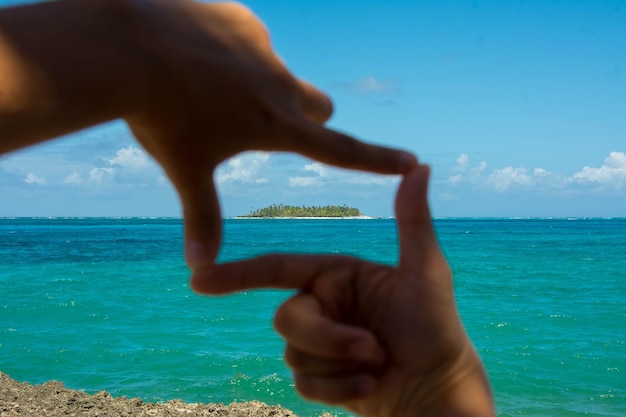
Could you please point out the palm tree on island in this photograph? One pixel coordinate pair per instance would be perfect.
(282, 210)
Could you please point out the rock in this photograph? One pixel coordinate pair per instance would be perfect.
(52, 399)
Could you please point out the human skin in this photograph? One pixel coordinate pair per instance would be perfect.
(196, 82)
(379, 340)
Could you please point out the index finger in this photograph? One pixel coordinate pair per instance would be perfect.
(339, 149)
(273, 271)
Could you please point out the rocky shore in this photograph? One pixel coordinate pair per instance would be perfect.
(52, 399)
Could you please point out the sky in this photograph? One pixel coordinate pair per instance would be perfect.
(518, 106)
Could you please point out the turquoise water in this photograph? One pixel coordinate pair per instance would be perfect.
(104, 304)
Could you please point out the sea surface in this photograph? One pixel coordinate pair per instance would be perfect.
(103, 304)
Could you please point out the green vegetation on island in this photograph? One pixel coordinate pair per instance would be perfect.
(282, 210)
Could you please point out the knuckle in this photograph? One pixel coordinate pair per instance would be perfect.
(235, 9)
(282, 320)
(307, 389)
(294, 359)
(313, 391)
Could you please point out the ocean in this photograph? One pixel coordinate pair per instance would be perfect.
(104, 304)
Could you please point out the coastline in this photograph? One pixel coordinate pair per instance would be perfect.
(53, 399)
(304, 218)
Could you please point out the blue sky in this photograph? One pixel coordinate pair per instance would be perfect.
(519, 106)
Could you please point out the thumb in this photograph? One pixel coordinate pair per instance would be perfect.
(418, 242)
(203, 225)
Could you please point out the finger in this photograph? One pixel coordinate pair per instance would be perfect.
(335, 148)
(316, 105)
(275, 271)
(203, 224)
(301, 321)
(305, 363)
(418, 242)
(193, 181)
(334, 389)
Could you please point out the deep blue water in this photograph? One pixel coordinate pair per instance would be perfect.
(104, 304)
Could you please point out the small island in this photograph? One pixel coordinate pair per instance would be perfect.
(286, 211)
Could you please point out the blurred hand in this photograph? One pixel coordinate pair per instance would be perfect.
(221, 89)
(378, 340)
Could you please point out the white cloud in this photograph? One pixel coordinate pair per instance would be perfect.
(462, 161)
(101, 175)
(369, 85)
(502, 179)
(304, 182)
(464, 173)
(318, 168)
(455, 179)
(73, 178)
(130, 166)
(131, 158)
(244, 168)
(322, 175)
(367, 179)
(34, 179)
(612, 173)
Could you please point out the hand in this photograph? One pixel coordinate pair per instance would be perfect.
(224, 90)
(197, 83)
(378, 340)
